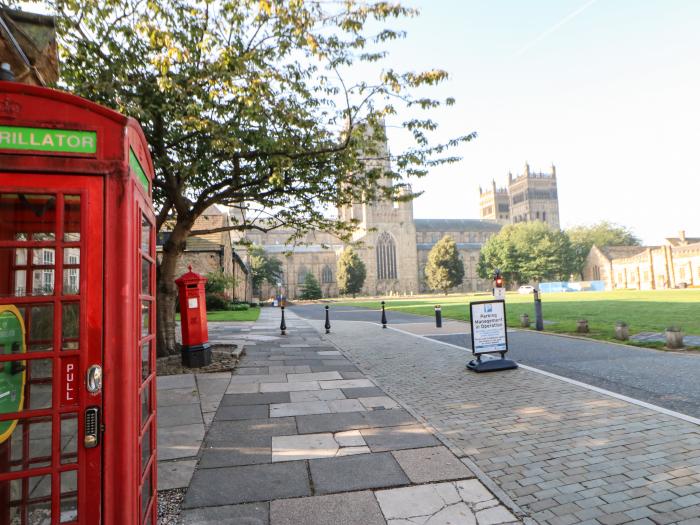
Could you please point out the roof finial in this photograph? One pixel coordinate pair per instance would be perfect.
(189, 267)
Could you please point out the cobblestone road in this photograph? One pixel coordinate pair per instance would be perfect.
(563, 453)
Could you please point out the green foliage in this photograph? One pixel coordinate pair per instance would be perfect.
(263, 268)
(217, 301)
(219, 282)
(311, 289)
(244, 102)
(239, 307)
(351, 272)
(527, 252)
(445, 268)
(600, 234)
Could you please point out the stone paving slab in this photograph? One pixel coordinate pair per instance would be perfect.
(175, 474)
(234, 412)
(180, 441)
(249, 428)
(232, 485)
(356, 508)
(256, 399)
(353, 473)
(248, 450)
(423, 465)
(178, 415)
(397, 438)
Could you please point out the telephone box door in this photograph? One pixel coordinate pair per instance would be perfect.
(51, 259)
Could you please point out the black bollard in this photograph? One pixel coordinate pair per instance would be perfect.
(383, 316)
(328, 322)
(438, 316)
(283, 325)
(539, 323)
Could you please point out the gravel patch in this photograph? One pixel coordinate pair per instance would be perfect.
(224, 358)
(169, 502)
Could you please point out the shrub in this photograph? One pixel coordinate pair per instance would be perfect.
(217, 301)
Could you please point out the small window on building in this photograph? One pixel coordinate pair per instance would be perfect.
(544, 215)
(327, 275)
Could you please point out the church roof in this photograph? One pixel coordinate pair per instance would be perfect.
(460, 245)
(453, 225)
(302, 248)
(620, 252)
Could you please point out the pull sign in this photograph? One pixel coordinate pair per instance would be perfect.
(70, 381)
(92, 427)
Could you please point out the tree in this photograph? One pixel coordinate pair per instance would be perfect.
(351, 273)
(311, 289)
(445, 268)
(601, 234)
(245, 104)
(263, 268)
(527, 252)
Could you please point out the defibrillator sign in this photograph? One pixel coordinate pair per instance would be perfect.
(12, 373)
(488, 327)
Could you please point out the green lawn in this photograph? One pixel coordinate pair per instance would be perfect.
(227, 315)
(643, 311)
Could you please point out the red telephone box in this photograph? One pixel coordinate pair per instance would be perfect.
(77, 286)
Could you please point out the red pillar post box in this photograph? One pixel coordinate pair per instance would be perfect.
(196, 351)
(77, 313)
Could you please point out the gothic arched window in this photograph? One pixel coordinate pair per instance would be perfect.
(326, 275)
(301, 274)
(386, 257)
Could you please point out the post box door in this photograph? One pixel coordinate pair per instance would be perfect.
(50, 275)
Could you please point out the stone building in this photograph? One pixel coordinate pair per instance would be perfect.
(28, 46)
(213, 252)
(528, 197)
(392, 244)
(674, 264)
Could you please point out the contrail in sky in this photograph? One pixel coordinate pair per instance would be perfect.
(555, 27)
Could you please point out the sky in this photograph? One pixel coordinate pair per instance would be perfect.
(607, 90)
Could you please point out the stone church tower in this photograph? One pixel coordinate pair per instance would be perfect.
(388, 234)
(529, 197)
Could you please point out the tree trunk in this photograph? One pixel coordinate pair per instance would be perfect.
(167, 289)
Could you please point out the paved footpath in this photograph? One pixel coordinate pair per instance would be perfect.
(563, 453)
(301, 436)
(667, 379)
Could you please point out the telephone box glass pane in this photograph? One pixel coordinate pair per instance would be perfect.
(69, 439)
(145, 448)
(69, 496)
(31, 496)
(37, 390)
(145, 360)
(30, 445)
(146, 493)
(145, 235)
(27, 216)
(145, 277)
(70, 326)
(39, 325)
(145, 318)
(43, 281)
(145, 404)
(71, 218)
